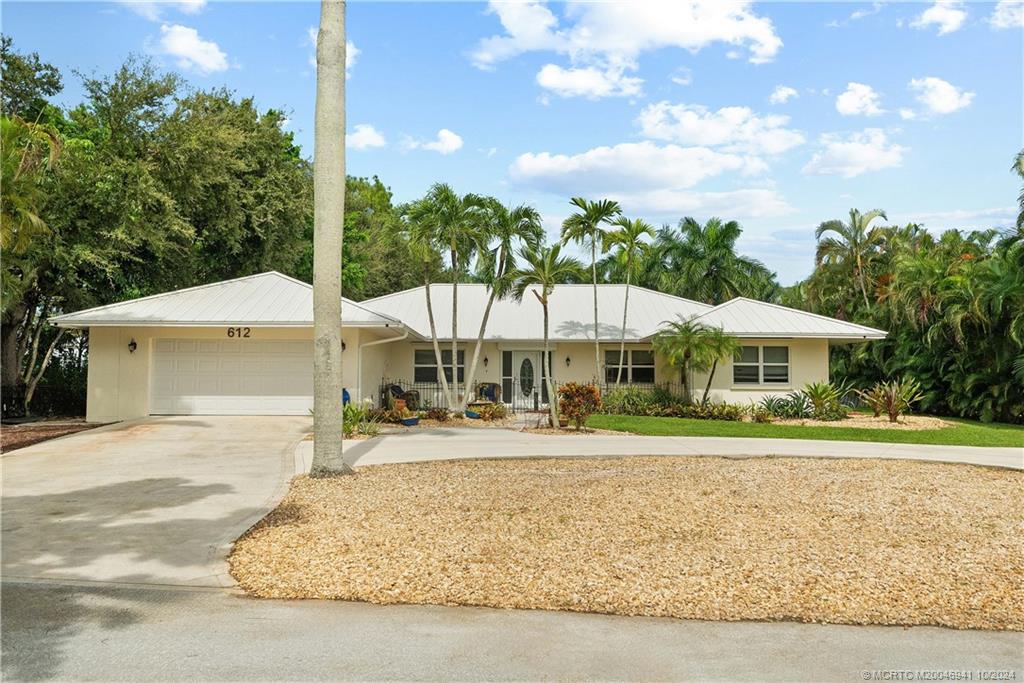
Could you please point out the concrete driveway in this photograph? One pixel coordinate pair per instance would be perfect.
(149, 501)
(113, 569)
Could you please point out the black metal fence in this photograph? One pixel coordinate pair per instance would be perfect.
(517, 396)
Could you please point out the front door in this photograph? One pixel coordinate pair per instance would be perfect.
(526, 376)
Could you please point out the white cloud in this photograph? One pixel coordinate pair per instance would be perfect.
(682, 76)
(745, 203)
(999, 217)
(858, 99)
(908, 114)
(856, 15)
(446, 142)
(191, 52)
(154, 9)
(351, 51)
(1008, 14)
(606, 38)
(948, 15)
(627, 168)
(364, 136)
(589, 82)
(782, 94)
(939, 96)
(857, 153)
(736, 129)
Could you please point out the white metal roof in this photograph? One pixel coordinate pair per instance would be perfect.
(571, 312)
(743, 317)
(268, 299)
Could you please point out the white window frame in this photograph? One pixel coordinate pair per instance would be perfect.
(461, 369)
(627, 367)
(761, 364)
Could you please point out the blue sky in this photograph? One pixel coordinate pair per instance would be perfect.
(779, 115)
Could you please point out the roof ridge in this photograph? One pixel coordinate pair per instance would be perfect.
(788, 308)
(179, 291)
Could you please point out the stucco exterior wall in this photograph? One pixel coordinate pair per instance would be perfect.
(119, 380)
(808, 362)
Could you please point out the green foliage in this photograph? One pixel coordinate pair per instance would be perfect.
(760, 414)
(629, 400)
(577, 402)
(690, 346)
(893, 398)
(360, 420)
(437, 414)
(953, 305)
(27, 82)
(489, 412)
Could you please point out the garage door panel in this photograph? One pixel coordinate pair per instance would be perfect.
(232, 377)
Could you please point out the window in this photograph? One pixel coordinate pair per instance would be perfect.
(637, 366)
(761, 365)
(425, 365)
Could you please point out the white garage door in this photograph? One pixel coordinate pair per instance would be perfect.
(231, 377)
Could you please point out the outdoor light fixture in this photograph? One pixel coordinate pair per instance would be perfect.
(485, 361)
(567, 361)
(132, 345)
(343, 345)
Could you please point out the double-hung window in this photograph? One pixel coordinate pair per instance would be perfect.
(761, 365)
(425, 365)
(637, 366)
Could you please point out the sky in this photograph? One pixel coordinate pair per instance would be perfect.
(777, 115)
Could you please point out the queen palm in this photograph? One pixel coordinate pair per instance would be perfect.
(701, 262)
(627, 245)
(508, 227)
(584, 228)
(690, 346)
(541, 269)
(455, 224)
(855, 244)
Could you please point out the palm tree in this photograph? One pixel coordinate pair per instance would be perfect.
(544, 267)
(689, 346)
(584, 227)
(701, 263)
(328, 223)
(855, 245)
(457, 225)
(627, 243)
(28, 151)
(422, 249)
(510, 227)
(1018, 168)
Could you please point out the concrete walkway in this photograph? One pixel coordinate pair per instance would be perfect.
(417, 445)
(157, 500)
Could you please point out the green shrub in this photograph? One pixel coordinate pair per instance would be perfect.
(713, 411)
(360, 419)
(628, 401)
(826, 400)
(490, 412)
(577, 402)
(437, 414)
(760, 414)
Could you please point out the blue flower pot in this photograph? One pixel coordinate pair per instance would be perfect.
(472, 415)
(411, 421)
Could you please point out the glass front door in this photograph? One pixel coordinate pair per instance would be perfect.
(527, 375)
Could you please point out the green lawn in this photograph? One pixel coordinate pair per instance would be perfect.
(965, 433)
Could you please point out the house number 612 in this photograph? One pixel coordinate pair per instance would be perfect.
(239, 331)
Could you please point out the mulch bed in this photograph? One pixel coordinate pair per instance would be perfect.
(853, 541)
(13, 437)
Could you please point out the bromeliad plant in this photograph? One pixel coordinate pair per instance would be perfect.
(894, 398)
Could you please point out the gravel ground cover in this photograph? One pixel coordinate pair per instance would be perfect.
(857, 541)
(863, 421)
(13, 437)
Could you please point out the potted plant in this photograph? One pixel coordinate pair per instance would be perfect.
(408, 419)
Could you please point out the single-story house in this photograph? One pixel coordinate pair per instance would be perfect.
(244, 346)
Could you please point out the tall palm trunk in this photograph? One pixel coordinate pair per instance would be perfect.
(597, 343)
(552, 396)
(328, 224)
(453, 402)
(711, 376)
(860, 277)
(622, 338)
(433, 336)
(480, 335)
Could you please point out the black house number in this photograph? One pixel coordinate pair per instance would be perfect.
(239, 331)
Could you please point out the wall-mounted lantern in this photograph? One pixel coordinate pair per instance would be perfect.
(485, 361)
(132, 345)
(568, 361)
